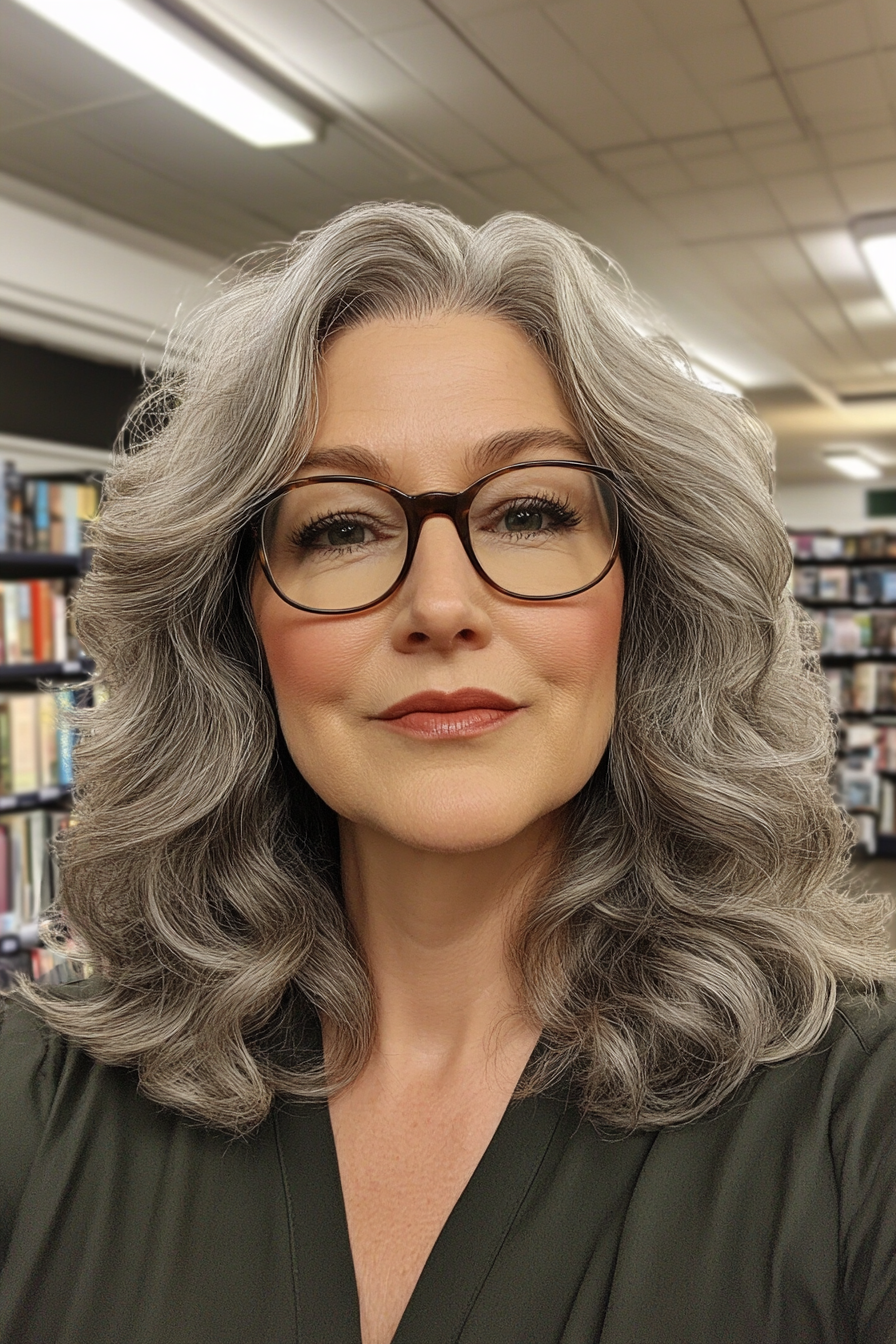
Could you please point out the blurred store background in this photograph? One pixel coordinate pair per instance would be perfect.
(737, 157)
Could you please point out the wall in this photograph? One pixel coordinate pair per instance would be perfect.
(840, 508)
(71, 288)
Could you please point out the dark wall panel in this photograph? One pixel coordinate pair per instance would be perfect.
(48, 395)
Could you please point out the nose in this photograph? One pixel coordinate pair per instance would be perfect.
(443, 603)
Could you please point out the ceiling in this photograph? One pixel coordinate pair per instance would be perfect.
(717, 148)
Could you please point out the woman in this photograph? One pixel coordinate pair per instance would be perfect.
(456, 832)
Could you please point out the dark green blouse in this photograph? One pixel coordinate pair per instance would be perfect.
(771, 1222)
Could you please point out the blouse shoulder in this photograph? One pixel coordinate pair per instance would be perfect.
(862, 1128)
(33, 1057)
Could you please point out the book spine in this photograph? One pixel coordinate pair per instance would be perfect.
(5, 894)
(26, 631)
(15, 508)
(59, 615)
(49, 741)
(23, 740)
(11, 623)
(41, 515)
(65, 701)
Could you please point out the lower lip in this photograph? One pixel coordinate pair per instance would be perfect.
(460, 723)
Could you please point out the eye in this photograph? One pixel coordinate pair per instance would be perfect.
(535, 515)
(524, 518)
(335, 532)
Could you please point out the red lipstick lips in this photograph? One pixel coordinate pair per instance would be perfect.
(449, 714)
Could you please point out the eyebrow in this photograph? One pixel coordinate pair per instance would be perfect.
(496, 451)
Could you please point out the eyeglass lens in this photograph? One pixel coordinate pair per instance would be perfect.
(536, 531)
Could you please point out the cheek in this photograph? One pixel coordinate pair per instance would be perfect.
(578, 645)
(314, 661)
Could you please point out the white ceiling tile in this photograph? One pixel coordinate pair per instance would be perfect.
(659, 181)
(369, 79)
(297, 29)
(473, 9)
(882, 21)
(694, 16)
(783, 132)
(721, 170)
(887, 64)
(787, 265)
(776, 160)
(601, 31)
(344, 161)
(517, 189)
(16, 110)
(85, 170)
(835, 256)
(735, 264)
(866, 146)
(747, 210)
(439, 61)
(692, 216)
(867, 188)
(724, 57)
(870, 313)
(702, 146)
(40, 63)
(381, 16)
(750, 102)
(830, 323)
(881, 343)
(842, 95)
(534, 54)
(634, 156)
(807, 199)
(823, 33)
(580, 182)
(768, 9)
(683, 115)
(653, 73)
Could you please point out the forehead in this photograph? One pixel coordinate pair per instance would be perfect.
(426, 394)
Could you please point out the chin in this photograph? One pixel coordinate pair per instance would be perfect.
(449, 824)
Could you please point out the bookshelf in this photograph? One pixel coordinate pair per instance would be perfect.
(42, 559)
(847, 585)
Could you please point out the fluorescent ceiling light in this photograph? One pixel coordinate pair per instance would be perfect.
(855, 466)
(168, 55)
(876, 236)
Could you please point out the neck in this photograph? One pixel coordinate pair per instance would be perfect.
(434, 929)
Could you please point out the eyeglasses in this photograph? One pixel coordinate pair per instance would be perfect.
(538, 531)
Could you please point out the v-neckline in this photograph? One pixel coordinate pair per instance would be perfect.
(326, 1292)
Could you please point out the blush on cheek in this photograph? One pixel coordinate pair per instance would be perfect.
(578, 641)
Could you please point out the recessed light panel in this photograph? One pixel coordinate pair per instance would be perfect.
(170, 57)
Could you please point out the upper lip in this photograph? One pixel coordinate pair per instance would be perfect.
(447, 702)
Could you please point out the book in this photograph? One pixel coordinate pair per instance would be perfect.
(23, 743)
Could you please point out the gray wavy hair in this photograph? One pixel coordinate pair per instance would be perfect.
(698, 921)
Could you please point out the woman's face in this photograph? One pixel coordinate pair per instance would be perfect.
(416, 404)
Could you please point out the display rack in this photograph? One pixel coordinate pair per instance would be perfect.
(36, 583)
(847, 584)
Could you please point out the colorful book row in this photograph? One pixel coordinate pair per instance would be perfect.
(28, 876)
(855, 632)
(35, 623)
(35, 741)
(45, 514)
(836, 583)
(836, 546)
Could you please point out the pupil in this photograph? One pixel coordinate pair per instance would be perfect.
(345, 534)
(524, 520)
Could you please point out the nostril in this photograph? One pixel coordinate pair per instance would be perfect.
(418, 637)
